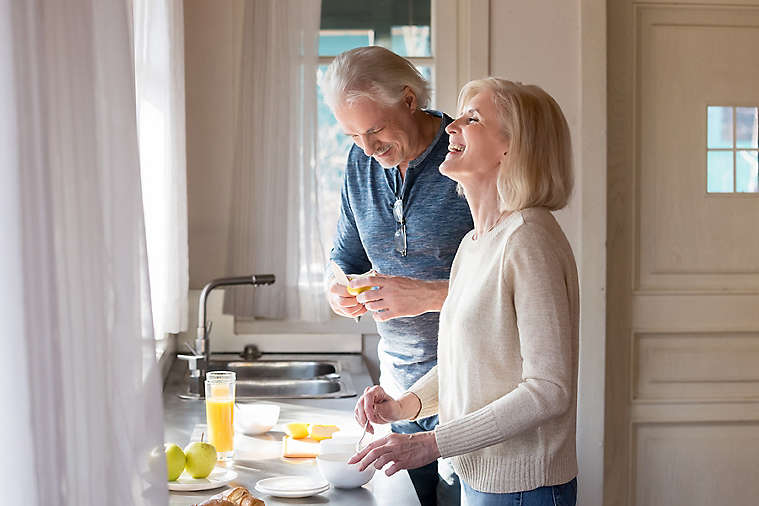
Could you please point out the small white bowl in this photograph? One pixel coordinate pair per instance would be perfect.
(252, 419)
(335, 469)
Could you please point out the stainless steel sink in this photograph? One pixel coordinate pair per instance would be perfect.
(278, 369)
(285, 379)
(293, 389)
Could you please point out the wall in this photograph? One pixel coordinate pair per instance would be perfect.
(560, 46)
(212, 54)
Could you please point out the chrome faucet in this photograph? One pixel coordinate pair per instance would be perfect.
(197, 363)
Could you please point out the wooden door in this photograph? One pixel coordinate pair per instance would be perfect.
(682, 370)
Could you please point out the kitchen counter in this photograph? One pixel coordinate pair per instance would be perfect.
(258, 457)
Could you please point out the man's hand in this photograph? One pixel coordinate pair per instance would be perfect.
(398, 296)
(342, 302)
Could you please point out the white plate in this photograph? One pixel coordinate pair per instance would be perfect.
(219, 477)
(291, 486)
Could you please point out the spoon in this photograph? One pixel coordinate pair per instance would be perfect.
(358, 443)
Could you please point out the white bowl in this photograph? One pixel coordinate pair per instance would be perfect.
(335, 469)
(252, 419)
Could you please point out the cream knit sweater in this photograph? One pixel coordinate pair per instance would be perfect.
(505, 386)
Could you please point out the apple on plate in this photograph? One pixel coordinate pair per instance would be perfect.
(175, 461)
(200, 458)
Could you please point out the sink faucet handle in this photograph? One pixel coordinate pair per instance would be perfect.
(192, 350)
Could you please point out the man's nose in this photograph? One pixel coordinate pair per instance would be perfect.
(368, 145)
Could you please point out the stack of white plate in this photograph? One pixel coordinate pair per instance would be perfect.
(292, 486)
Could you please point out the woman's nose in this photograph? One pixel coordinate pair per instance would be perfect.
(451, 128)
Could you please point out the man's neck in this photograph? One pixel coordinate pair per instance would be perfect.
(427, 126)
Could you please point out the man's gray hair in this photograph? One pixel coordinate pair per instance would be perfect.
(375, 73)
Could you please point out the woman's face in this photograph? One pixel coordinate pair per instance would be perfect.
(385, 133)
(477, 144)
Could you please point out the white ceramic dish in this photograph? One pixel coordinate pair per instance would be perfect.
(219, 477)
(255, 418)
(291, 486)
(335, 469)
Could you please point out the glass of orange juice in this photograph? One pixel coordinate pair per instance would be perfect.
(220, 402)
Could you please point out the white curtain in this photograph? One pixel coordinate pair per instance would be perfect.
(81, 387)
(159, 79)
(274, 208)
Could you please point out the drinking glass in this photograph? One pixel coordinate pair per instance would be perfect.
(220, 402)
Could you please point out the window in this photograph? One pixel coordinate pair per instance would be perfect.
(732, 149)
(404, 27)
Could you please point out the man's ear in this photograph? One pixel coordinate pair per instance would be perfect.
(409, 98)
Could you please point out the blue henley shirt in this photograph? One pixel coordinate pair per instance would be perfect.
(437, 218)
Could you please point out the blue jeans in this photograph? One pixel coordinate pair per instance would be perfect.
(557, 495)
(430, 489)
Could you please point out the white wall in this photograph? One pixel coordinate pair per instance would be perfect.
(560, 46)
(212, 55)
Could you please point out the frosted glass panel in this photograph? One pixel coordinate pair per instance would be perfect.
(746, 127)
(719, 127)
(747, 171)
(719, 167)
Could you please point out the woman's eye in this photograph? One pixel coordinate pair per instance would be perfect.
(471, 120)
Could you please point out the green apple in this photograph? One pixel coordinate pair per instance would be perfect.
(175, 461)
(201, 458)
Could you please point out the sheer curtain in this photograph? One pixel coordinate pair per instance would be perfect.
(81, 389)
(274, 208)
(159, 79)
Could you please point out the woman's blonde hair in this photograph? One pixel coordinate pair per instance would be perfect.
(537, 171)
(375, 73)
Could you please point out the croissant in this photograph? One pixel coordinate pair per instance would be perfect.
(240, 496)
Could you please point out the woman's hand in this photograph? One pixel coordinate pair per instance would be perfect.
(342, 302)
(376, 406)
(406, 451)
(398, 296)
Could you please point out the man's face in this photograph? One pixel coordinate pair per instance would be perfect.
(384, 133)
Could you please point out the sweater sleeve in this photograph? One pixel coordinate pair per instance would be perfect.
(544, 322)
(348, 249)
(426, 388)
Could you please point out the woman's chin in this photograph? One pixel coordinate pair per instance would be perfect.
(448, 169)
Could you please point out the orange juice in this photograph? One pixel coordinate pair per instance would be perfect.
(219, 416)
(220, 402)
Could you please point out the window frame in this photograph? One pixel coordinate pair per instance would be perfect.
(734, 150)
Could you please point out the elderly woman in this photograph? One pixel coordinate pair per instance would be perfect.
(505, 386)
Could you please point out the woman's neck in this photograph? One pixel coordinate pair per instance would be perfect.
(485, 207)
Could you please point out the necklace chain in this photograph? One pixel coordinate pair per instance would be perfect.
(497, 221)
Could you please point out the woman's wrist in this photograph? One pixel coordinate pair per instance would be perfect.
(410, 405)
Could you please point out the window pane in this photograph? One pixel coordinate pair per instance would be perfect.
(331, 155)
(719, 127)
(402, 26)
(333, 42)
(411, 40)
(719, 168)
(747, 171)
(746, 127)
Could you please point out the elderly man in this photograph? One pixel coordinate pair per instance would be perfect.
(399, 217)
